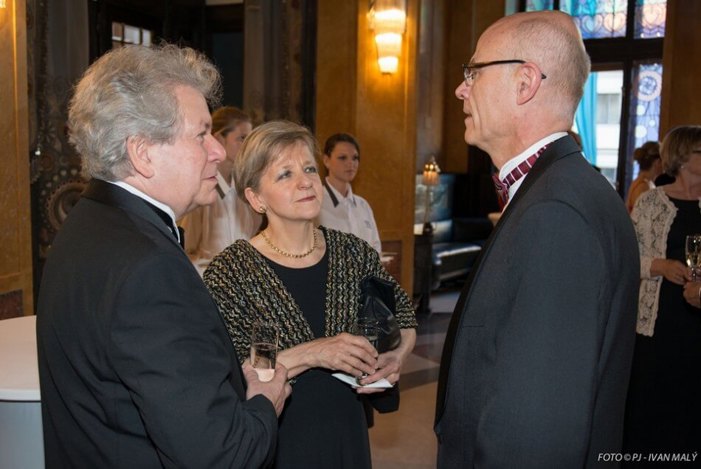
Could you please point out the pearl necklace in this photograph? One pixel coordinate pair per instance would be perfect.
(289, 254)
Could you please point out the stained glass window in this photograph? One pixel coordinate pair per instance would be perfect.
(538, 5)
(598, 19)
(650, 18)
(645, 103)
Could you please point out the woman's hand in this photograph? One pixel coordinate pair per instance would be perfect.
(389, 364)
(674, 271)
(692, 293)
(344, 352)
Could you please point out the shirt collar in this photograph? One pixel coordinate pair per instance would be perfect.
(349, 198)
(518, 159)
(223, 187)
(138, 193)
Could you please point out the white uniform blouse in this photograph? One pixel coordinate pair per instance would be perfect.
(350, 214)
(212, 228)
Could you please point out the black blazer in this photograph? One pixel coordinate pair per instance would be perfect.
(135, 364)
(537, 356)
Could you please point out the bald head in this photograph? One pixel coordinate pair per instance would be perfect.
(551, 40)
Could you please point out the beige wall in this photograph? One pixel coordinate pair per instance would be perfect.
(15, 233)
(464, 27)
(681, 76)
(380, 110)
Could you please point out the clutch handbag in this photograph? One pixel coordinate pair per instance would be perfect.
(377, 302)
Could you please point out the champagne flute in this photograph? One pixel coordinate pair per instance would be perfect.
(264, 346)
(693, 255)
(370, 329)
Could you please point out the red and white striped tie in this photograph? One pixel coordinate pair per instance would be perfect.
(502, 185)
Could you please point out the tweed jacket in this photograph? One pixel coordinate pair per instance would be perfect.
(246, 289)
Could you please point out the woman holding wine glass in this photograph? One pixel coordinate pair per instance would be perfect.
(307, 280)
(663, 409)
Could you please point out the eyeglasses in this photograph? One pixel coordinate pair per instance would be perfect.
(469, 71)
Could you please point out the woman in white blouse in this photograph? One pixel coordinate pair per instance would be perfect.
(341, 209)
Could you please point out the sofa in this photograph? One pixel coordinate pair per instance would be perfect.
(453, 247)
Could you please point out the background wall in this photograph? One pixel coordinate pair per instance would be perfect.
(681, 76)
(380, 110)
(15, 235)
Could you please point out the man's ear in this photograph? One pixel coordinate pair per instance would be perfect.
(138, 151)
(529, 80)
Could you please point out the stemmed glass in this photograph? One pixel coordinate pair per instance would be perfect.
(693, 255)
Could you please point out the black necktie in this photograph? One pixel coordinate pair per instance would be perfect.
(174, 229)
(181, 231)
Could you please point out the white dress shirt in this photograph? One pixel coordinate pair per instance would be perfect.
(516, 160)
(133, 190)
(350, 214)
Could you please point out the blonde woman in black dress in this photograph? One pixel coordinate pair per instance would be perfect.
(305, 278)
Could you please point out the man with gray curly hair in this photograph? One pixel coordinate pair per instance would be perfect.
(135, 364)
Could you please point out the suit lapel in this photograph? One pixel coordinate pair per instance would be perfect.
(560, 148)
(115, 196)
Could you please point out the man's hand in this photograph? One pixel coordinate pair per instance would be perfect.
(276, 390)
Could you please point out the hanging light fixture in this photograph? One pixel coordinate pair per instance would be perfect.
(388, 21)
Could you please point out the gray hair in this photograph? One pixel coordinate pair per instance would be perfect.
(130, 91)
(263, 146)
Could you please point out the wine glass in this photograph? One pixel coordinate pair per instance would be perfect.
(264, 345)
(370, 329)
(693, 255)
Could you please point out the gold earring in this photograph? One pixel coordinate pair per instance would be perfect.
(261, 209)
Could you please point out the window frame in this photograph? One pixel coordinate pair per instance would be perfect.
(621, 53)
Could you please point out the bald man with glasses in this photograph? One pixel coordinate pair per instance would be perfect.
(537, 356)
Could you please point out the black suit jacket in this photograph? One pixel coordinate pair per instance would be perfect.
(135, 364)
(537, 356)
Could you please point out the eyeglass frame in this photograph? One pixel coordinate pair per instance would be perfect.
(469, 70)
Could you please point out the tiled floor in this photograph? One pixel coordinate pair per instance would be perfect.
(405, 439)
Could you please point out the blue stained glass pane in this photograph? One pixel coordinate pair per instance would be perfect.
(539, 5)
(644, 105)
(598, 18)
(650, 18)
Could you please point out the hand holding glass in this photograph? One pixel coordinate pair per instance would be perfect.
(693, 255)
(264, 344)
(370, 329)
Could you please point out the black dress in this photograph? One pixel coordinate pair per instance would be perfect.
(323, 423)
(663, 413)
